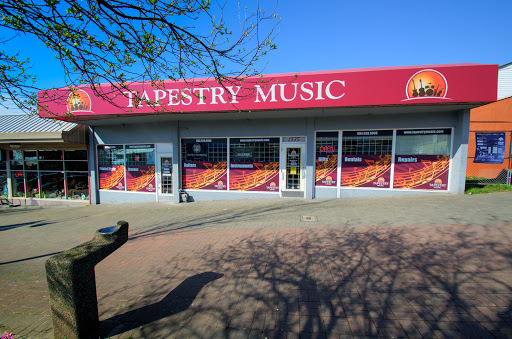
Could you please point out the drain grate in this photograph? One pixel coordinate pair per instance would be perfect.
(308, 218)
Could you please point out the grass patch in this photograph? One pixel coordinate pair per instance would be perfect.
(488, 189)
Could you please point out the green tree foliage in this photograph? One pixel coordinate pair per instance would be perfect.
(122, 41)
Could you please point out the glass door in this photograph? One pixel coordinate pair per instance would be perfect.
(164, 176)
(292, 170)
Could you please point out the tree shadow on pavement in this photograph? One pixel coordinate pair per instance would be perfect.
(29, 224)
(431, 281)
(176, 301)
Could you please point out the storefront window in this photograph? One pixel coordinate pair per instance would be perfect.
(75, 160)
(30, 158)
(32, 184)
(3, 173)
(51, 166)
(76, 166)
(326, 159)
(422, 159)
(75, 155)
(204, 164)
(3, 160)
(78, 186)
(254, 164)
(18, 184)
(50, 155)
(16, 158)
(52, 185)
(3, 184)
(40, 174)
(111, 167)
(426, 142)
(140, 168)
(366, 158)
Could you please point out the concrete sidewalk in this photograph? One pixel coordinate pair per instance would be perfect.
(435, 266)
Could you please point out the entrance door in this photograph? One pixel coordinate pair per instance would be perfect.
(293, 171)
(164, 177)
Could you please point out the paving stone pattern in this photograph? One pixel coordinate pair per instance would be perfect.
(435, 266)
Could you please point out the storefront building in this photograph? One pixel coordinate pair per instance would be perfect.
(335, 134)
(43, 162)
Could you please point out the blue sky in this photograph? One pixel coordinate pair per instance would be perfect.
(320, 35)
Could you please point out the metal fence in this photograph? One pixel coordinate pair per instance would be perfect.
(489, 174)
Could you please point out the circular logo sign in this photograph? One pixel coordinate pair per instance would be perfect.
(79, 101)
(427, 84)
(196, 148)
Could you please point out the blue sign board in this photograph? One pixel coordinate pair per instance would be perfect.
(490, 148)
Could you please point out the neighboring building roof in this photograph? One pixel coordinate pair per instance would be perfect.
(26, 131)
(505, 81)
(21, 123)
(506, 65)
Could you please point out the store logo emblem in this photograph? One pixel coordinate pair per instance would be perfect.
(381, 182)
(220, 185)
(272, 186)
(426, 84)
(328, 181)
(79, 101)
(438, 183)
(196, 148)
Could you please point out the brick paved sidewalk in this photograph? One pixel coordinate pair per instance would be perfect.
(254, 269)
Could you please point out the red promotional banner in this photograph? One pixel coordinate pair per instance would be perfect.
(140, 178)
(254, 176)
(421, 171)
(366, 170)
(204, 175)
(408, 85)
(111, 177)
(326, 170)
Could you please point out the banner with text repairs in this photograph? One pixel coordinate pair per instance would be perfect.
(111, 177)
(204, 175)
(407, 85)
(140, 178)
(366, 170)
(255, 176)
(490, 148)
(326, 173)
(421, 171)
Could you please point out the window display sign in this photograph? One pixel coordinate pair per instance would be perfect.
(204, 164)
(254, 164)
(366, 170)
(421, 171)
(490, 148)
(326, 173)
(366, 159)
(140, 168)
(422, 160)
(111, 167)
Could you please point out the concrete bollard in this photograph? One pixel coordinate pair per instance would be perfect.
(72, 283)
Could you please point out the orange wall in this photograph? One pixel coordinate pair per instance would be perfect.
(493, 117)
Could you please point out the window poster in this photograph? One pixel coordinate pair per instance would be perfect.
(490, 148)
(204, 164)
(254, 164)
(140, 168)
(366, 159)
(421, 171)
(422, 159)
(326, 159)
(111, 167)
